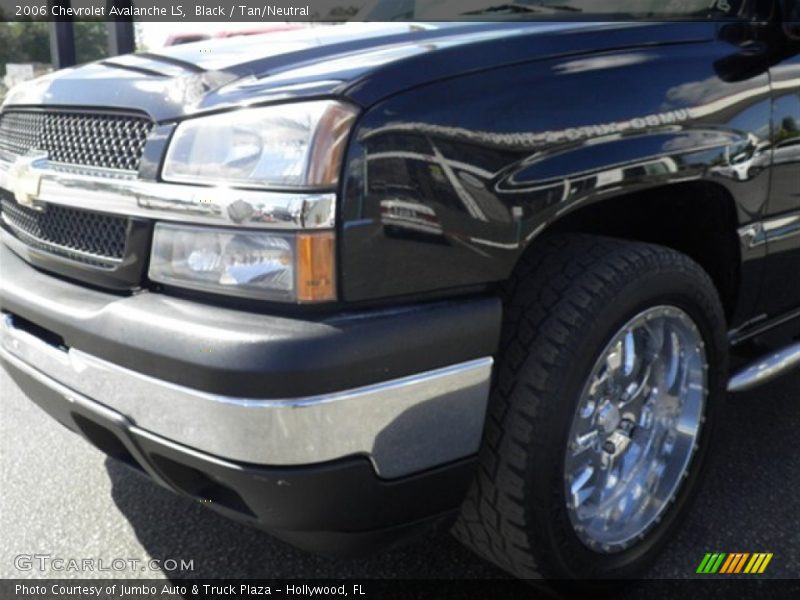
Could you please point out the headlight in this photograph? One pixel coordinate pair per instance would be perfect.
(271, 266)
(288, 145)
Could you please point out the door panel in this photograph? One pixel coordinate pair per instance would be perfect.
(782, 223)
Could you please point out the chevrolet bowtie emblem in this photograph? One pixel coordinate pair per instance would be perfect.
(25, 181)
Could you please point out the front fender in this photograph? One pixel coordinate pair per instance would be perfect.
(448, 183)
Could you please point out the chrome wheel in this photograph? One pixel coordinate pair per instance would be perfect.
(635, 429)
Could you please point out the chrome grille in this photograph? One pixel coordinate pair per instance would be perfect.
(91, 238)
(87, 139)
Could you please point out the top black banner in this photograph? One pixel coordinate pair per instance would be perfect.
(371, 10)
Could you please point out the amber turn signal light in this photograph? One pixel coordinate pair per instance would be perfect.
(316, 267)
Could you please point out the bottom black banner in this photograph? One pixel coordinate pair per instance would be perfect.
(505, 589)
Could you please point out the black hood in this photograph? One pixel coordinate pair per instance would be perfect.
(364, 62)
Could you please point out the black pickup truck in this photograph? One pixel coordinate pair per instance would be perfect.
(352, 282)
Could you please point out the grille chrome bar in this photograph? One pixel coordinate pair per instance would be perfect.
(183, 203)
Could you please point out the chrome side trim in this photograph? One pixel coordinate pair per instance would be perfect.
(774, 229)
(175, 202)
(404, 425)
(765, 369)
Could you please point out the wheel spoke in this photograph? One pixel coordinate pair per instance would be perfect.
(580, 489)
(656, 329)
(585, 442)
(673, 362)
(630, 359)
(636, 390)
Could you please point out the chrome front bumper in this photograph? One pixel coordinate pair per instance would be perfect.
(404, 425)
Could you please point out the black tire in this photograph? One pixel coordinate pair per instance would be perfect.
(566, 300)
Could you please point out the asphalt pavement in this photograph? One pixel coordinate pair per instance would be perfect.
(61, 497)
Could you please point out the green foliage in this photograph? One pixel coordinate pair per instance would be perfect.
(29, 41)
(91, 41)
(787, 131)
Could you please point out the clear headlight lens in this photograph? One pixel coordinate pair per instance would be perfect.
(288, 145)
(264, 265)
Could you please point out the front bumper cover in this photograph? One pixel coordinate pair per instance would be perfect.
(403, 426)
(339, 508)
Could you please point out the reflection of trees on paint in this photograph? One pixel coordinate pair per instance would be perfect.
(788, 130)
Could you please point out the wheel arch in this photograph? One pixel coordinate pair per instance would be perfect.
(697, 218)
